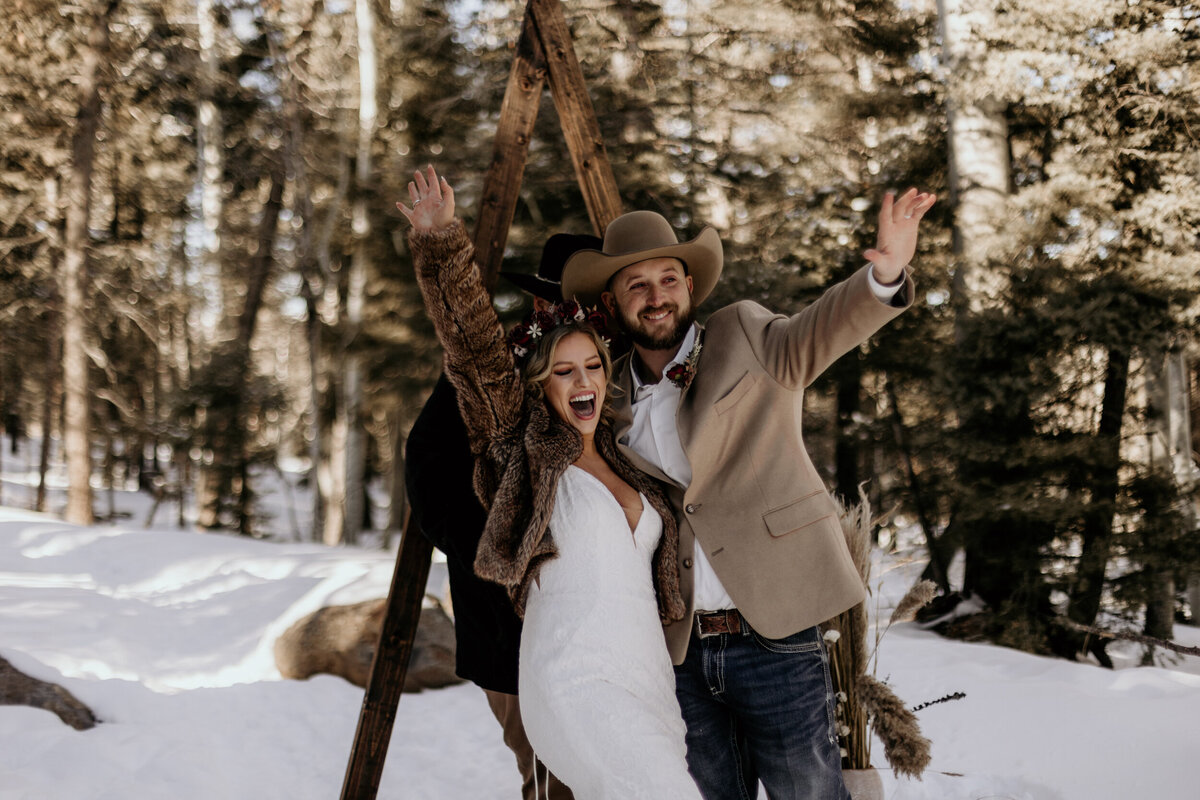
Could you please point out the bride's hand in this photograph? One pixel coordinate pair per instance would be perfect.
(432, 202)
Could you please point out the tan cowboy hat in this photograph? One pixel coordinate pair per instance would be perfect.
(638, 236)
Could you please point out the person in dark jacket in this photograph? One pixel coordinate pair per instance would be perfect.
(438, 476)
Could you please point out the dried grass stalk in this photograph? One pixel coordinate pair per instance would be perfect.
(856, 527)
(861, 697)
(848, 654)
(912, 602)
(903, 745)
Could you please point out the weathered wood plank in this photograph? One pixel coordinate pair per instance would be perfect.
(544, 51)
(576, 114)
(502, 184)
(498, 201)
(382, 696)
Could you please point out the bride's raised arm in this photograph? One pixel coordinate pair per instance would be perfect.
(478, 361)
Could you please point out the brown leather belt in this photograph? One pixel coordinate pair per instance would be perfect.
(715, 622)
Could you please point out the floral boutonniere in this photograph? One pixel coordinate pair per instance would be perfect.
(682, 374)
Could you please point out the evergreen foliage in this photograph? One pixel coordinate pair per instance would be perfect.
(1098, 278)
(1014, 426)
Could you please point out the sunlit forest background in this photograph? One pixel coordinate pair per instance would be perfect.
(204, 280)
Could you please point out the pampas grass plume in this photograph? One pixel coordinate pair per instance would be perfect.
(912, 602)
(903, 745)
(860, 696)
(856, 527)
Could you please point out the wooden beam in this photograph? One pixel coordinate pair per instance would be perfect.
(502, 184)
(389, 667)
(576, 114)
(543, 51)
(498, 201)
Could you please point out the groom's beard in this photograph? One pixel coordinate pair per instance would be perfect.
(670, 340)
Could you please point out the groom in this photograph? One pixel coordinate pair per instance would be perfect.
(715, 412)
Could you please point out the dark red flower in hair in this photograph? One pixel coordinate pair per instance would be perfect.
(522, 339)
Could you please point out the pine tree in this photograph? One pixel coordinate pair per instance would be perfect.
(1094, 276)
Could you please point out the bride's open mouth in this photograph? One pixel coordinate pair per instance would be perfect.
(584, 405)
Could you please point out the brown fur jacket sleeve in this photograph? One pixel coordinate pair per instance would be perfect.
(521, 449)
(477, 360)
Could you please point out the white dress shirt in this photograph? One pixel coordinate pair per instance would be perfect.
(655, 437)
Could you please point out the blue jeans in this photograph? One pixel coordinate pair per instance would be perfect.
(760, 709)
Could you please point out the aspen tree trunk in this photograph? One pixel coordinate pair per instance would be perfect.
(108, 471)
(210, 172)
(315, 484)
(1170, 428)
(210, 147)
(178, 372)
(324, 311)
(350, 427)
(162, 385)
(979, 162)
(52, 369)
(1170, 446)
(333, 476)
(74, 271)
(312, 258)
(51, 390)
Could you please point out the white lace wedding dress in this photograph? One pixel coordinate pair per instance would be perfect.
(597, 689)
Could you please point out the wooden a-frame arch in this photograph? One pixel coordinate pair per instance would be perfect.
(544, 51)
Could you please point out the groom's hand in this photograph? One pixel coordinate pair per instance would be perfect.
(896, 241)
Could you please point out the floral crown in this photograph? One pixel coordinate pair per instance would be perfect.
(524, 336)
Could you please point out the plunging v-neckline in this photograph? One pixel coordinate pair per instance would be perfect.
(633, 529)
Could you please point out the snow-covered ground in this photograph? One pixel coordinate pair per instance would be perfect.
(168, 636)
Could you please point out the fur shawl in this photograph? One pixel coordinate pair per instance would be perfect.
(521, 449)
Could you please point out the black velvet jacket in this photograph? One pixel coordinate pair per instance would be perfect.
(438, 474)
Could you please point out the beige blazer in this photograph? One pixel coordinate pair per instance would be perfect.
(756, 503)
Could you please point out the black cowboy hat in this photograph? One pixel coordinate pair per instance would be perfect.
(558, 248)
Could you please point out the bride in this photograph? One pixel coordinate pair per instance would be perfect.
(584, 542)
